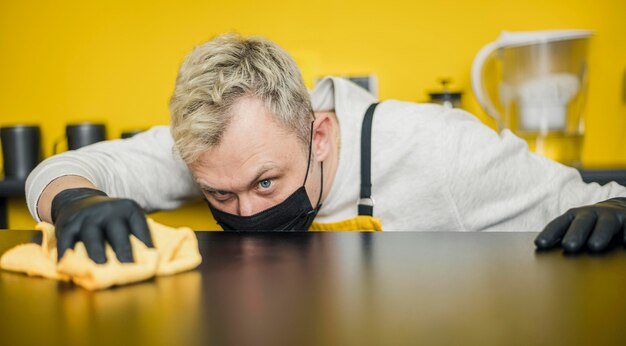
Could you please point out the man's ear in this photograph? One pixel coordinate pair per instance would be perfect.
(323, 136)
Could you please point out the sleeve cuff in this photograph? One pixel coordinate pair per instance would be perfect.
(44, 174)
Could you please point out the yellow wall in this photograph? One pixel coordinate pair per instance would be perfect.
(115, 61)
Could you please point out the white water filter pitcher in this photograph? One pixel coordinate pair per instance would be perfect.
(534, 83)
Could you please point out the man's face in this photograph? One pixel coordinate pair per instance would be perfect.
(257, 165)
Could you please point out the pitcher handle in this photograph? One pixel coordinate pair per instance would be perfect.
(478, 82)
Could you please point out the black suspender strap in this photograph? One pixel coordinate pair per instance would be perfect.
(366, 203)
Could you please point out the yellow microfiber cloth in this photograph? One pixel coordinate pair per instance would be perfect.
(175, 250)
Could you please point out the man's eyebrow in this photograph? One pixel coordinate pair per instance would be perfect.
(262, 170)
(206, 187)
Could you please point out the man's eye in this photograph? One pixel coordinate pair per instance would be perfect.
(265, 183)
(220, 195)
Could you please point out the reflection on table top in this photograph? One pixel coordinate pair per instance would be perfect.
(337, 288)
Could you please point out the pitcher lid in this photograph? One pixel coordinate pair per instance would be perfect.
(521, 38)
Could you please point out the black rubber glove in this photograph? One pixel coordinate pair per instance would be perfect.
(90, 216)
(595, 225)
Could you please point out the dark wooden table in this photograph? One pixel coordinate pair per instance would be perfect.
(337, 289)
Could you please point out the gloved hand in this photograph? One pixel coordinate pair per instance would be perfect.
(595, 225)
(90, 216)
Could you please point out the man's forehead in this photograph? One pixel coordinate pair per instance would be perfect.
(240, 160)
(251, 123)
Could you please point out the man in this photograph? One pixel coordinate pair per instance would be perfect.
(246, 135)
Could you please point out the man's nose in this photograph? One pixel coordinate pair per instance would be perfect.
(246, 206)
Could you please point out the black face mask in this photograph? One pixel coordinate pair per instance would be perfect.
(293, 214)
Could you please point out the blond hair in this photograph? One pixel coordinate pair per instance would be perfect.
(218, 73)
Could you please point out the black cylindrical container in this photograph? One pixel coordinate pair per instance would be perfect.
(80, 135)
(21, 150)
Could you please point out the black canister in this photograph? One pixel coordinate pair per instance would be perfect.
(21, 150)
(80, 135)
(83, 134)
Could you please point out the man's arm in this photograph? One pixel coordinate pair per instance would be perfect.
(57, 185)
(497, 184)
(141, 168)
